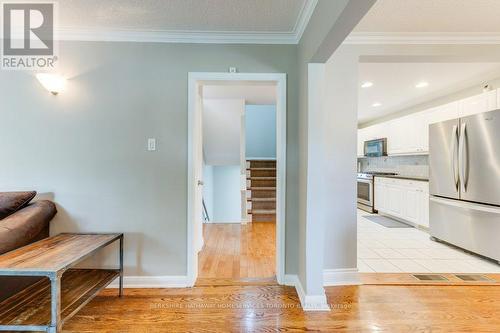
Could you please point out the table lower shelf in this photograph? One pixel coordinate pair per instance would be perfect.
(31, 306)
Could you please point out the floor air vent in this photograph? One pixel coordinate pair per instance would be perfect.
(473, 277)
(430, 277)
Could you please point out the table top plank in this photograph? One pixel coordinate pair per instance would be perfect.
(54, 254)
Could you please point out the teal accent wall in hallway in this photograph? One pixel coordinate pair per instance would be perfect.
(260, 127)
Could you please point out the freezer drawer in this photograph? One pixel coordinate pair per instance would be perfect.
(470, 226)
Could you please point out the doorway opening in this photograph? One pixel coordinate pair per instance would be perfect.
(237, 145)
(410, 216)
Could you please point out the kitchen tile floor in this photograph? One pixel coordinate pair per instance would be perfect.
(409, 250)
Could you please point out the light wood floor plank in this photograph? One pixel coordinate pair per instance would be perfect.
(273, 308)
(238, 251)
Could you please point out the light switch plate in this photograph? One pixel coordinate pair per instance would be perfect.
(151, 144)
(232, 70)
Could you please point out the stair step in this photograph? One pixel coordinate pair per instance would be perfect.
(262, 211)
(270, 169)
(262, 163)
(261, 178)
(261, 199)
(261, 188)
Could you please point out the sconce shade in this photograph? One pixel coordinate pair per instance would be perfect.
(54, 83)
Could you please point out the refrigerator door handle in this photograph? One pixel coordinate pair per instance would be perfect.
(454, 156)
(463, 157)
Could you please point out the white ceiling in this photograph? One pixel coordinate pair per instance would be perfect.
(222, 130)
(394, 84)
(261, 94)
(172, 20)
(432, 16)
(206, 15)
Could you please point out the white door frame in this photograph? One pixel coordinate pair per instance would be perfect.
(195, 78)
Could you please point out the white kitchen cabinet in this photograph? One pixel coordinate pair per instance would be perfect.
(361, 141)
(476, 104)
(424, 209)
(406, 135)
(395, 200)
(370, 133)
(410, 134)
(412, 205)
(380, 195)
(404, 199)
(442, 113)
(436, 115)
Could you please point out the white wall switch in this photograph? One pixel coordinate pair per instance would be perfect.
(151, 144)
(232, 69)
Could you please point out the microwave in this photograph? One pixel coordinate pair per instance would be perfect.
(376, 148)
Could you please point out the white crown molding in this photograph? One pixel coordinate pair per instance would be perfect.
(203, 37)
(303, 19)
(170, 281)
(370, 38)
(341, 277)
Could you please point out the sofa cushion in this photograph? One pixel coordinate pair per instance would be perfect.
(26, 225)
(11, 202)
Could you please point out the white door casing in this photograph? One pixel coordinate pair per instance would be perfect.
(198, 169)
(195, 163)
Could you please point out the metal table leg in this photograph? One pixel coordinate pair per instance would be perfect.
(121, 267)
(55, 304)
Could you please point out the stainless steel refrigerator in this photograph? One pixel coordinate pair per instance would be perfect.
(464, 158)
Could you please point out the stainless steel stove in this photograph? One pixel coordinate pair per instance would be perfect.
(366, 193)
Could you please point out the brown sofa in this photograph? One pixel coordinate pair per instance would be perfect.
(21, 223)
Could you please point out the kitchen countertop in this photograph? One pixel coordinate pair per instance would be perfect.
(418, 178)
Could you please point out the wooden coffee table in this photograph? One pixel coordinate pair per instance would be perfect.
(47, 304)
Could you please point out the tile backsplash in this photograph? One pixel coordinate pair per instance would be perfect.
(414, 165)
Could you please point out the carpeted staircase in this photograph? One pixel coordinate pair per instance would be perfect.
(261, 190)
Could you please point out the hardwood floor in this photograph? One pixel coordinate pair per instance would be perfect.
(274, 308)
(236, 251)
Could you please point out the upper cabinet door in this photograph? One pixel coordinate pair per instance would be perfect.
(442, 113)
(477, 104)
(405, 135)
(361, 142)
(436, 115)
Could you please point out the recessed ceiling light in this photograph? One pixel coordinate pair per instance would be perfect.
(422, 84)
(367, 84)
(376, 105)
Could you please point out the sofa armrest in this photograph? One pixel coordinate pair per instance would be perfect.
(26, 226)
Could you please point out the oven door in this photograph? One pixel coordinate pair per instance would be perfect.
(365, 192)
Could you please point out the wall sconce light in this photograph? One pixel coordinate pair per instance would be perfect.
(54, 83)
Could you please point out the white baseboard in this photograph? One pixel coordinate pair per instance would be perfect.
(341, 277)
(308, 302)
(169, 281)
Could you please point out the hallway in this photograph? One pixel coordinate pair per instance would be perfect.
(238, 251)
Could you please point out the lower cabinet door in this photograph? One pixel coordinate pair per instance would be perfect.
(380, 196)
(412, 205)
(395, 200)
(424, 209)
